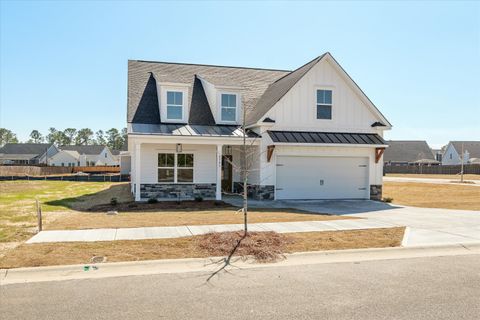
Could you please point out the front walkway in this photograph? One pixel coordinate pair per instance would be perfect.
(90, 235)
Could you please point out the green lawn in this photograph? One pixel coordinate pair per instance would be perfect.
(17, 202)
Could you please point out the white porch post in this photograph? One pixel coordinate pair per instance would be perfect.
(218, 194)
(137, 171)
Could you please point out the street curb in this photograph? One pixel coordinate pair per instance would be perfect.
(211, 264)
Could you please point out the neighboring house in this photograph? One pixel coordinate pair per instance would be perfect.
(408, 152)
(453, 151)
(438, 153)
(311, 133)
(84, 155)
(26, 153)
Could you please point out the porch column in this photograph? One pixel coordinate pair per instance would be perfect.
(218, 194)
(137, 171)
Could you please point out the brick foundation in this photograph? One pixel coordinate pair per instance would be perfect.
(177, 191)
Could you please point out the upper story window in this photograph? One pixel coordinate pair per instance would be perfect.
(174, 105)
(228, 107)
(324, 104)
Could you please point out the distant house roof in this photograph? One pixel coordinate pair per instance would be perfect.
(473, 147)
(88, 149)
(23, 151)
(407, 151)
(25, 148)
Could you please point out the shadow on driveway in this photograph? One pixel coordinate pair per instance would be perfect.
(337, 207)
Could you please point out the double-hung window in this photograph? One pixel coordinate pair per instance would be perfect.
(175, 167)
(324, 104)
(174, 105)
(228, 105)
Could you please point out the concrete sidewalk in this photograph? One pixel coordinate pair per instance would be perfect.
(91, 235)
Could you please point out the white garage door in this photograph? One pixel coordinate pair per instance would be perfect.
(321, 178)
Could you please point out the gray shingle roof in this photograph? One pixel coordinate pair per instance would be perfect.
(407, 151)
(142, 93)
(89, 149)
(25, 148)
(473, 147)
(277, 90)
(325, 137)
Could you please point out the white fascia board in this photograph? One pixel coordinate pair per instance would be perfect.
(155, 138)
(345, 145)
(328, 57)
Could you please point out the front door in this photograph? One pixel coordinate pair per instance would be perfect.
(227, 174)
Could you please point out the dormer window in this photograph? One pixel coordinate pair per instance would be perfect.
(228, 107)
(173, 102)
(174, 105)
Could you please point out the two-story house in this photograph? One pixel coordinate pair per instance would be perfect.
(453, 152)
(311, 133)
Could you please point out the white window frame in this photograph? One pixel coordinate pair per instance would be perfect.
(237, 107)
(176, 167)
(323, 104)
(164, 88)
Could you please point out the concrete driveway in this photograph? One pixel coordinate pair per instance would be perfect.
(425, 226)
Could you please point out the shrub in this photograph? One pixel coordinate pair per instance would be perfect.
(218, 202)
(152, 200)
(198, 198)
(387, 200)
(114, 201)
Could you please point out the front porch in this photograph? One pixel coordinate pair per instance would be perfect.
(191, 168)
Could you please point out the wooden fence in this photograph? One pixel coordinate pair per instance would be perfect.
(93, 169)
(415, 169)
(80, 178)
(33, 170)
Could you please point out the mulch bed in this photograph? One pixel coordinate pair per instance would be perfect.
(262, 246)
(162, 205)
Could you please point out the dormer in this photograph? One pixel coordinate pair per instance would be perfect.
(173, 102)
(225, 102)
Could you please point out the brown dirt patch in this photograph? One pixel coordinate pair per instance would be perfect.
(33, 255)
(262, 246)
(132, 206)
(429, 195)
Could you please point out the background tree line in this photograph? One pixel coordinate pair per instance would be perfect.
(113, 138)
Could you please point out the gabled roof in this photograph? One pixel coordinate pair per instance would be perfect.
(407, 151)
(25, 148)
(143, 76)
(260, 89)
(278, 89)
(473, 147)
(88, 150)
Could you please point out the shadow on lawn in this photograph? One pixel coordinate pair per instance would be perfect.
(87, 201)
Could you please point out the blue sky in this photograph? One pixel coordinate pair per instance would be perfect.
(64, 64)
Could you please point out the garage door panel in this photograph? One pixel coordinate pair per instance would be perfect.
(321, 177)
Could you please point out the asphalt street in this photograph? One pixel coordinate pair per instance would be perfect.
(416, 288)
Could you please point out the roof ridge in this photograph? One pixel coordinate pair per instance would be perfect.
(317, 58)
(211, 65)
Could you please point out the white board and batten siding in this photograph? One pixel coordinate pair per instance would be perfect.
(296, 110)
(304, 177)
